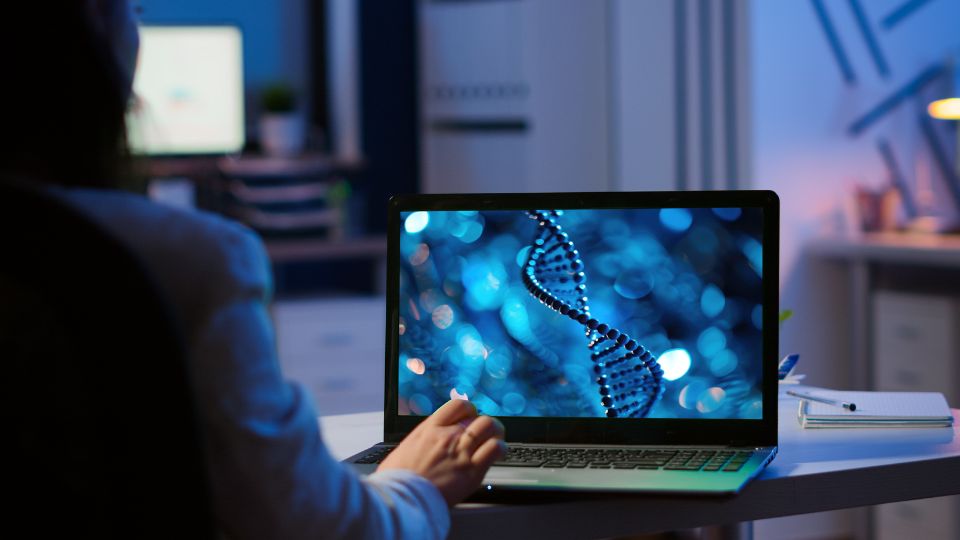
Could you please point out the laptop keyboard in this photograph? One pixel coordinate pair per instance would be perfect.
(609, 458)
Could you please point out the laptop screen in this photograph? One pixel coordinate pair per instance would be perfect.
(582, 312)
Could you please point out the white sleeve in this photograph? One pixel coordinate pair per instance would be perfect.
(272, 475)
(403, 489)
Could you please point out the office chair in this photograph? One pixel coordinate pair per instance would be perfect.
(100, 434)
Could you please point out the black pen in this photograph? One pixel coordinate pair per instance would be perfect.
(849, 406)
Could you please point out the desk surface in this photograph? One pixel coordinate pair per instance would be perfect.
(815, 470)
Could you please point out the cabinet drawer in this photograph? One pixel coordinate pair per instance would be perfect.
(930, 519)
(915, 343)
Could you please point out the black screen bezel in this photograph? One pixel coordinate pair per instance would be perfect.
(738, 432)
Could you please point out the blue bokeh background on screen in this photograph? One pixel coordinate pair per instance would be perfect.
(685, 283)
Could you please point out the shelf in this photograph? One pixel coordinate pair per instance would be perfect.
(306, 249)
(252, 166)
(310, 165)
(896, 248)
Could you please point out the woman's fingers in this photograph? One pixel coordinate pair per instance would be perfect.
(488, 452)
(453, 411)
(478, 432)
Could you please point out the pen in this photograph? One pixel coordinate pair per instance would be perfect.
(849, 406)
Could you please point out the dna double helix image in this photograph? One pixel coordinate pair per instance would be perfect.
(629, 379)
(624, 313)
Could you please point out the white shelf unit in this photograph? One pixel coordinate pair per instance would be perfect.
(905, 325)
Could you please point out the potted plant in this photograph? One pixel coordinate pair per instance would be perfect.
(282, 127)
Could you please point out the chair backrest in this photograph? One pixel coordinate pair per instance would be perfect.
(100, 433)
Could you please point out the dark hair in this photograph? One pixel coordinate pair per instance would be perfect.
(62, 99)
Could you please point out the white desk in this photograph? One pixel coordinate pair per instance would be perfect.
(816, 470)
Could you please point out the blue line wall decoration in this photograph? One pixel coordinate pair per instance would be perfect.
(940, 158)
(878, 60)
(893, 169)
(835, 46)
(899, 14)
(908, 90)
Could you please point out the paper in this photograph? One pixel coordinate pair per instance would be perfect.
(876, 409)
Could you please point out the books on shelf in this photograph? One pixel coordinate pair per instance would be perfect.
(876, 409)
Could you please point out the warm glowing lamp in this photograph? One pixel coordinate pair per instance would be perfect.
(945, 109)
(948, 107)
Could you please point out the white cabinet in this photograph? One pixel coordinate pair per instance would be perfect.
(915, 348)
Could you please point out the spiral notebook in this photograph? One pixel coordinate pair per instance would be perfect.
(877, 409)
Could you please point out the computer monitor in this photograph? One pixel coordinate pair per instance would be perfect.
(188, 91)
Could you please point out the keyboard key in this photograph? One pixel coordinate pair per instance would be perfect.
(576, 464)
(375, 456)
(554, 464)
(532, 464)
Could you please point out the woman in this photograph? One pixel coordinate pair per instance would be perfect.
(270, 474)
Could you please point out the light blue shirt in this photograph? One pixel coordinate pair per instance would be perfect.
(270, 473)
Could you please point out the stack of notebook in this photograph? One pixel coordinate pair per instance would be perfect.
(876, 409)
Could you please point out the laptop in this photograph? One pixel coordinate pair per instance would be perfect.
(627, 341)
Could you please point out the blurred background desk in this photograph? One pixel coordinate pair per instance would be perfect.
(816, 470)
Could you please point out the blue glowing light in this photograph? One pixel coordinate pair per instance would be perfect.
(420, 404)
(521, 257)
(498, 365)
(756, 316)
(723, 363)
(676, 219)
(514, 403)
(471, 232)
(727, 214)
(416, 222)
(711, 341)
(483, 279)
(470, 343)
(675, 363)
(712, 301)
(754, 253)
(634, 284)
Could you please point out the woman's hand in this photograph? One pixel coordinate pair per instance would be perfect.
(453, 448)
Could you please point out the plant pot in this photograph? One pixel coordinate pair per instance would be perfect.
(282, 135)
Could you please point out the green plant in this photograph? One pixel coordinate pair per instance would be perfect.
(278, 98)
(785, 316)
